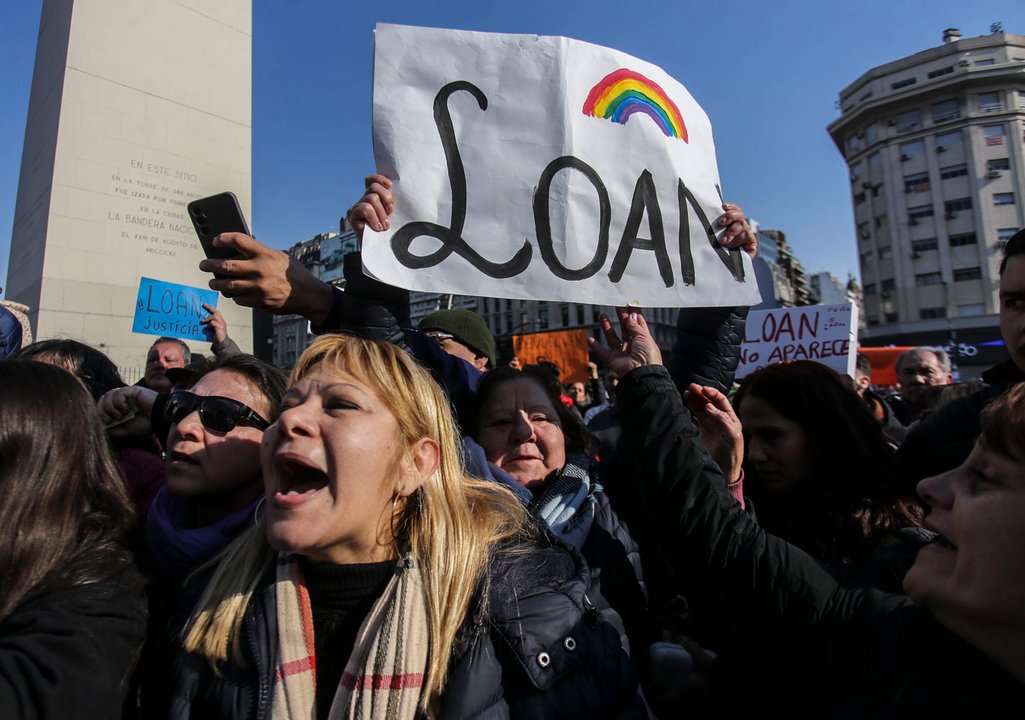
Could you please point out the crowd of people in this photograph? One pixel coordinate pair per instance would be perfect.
(409, 526)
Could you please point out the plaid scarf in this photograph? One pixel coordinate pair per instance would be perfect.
(385, 672)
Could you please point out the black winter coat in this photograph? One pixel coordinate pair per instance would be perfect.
(68, 652)
(841, 651)
(543, 650)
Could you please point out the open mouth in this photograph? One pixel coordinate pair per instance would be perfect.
(298, 477)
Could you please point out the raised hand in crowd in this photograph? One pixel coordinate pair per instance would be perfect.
(374, 207)
(215, 321)
(721, 431)
(636, 348)
(736, 229)
(267, 279)
(126, 411)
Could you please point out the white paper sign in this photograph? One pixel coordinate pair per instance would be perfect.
(824, 333)
(541, 167)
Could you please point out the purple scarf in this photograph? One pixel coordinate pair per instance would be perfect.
(176, 551)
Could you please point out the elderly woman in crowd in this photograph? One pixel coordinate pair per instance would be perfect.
(72, 609)
(409, 587)
(952, 648)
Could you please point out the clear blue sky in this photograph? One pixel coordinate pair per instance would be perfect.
(767, 73)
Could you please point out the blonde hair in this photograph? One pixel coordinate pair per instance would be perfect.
(451, 523)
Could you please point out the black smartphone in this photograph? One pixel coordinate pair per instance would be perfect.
(214, 215)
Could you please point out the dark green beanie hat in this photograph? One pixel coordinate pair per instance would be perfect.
(465, 326)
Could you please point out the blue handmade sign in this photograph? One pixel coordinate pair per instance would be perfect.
(164, 308)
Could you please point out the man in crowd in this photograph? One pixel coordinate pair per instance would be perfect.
(917, 369)
(892, 428)
(164, 353)
(462, 333)
(944, 439)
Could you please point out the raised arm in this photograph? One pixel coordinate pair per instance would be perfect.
(773, 597)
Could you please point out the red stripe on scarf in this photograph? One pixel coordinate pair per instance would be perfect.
(294, 668)
(382, 682)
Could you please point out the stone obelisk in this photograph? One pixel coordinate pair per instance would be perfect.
(137, 107)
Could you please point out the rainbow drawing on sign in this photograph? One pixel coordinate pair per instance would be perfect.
(624, 92)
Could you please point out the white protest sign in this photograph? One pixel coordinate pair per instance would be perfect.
(540, 167)
(824, 333)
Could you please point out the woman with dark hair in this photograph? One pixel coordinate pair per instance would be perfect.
(820, 471)
(72, 611)
(139, 457)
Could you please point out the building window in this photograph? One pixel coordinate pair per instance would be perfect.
(908, 121)
(967, 274)
(866, 257)
(859, 198)
(921, 246)
(997, 164)
(876, 189)
(953, 171)
(871, 133)
(1005, 234)
(854, 143)
(953, 206)
(940, 72)
(962, 240)
(884, 253)
(888, 285)
(919, 211)
(892, 317)
(947, 140)
(874, 160)
(580, 314)
(856, 171)
(971, 310)
(909, 149)
(925, 279)
(990, 101)
(880, 220)
(932, 313)
(565, 315)
(903, 83)
(984, 62)
(917, 183)
(994, 134)
(863, 230)
(869, 289)
(872, 320)
(1003, 198)
(946, 110)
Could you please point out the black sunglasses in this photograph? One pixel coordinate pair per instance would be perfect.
(216, 413)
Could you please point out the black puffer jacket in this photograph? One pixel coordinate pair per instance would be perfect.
(707, 346)
(542, 651)
(841, 651)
